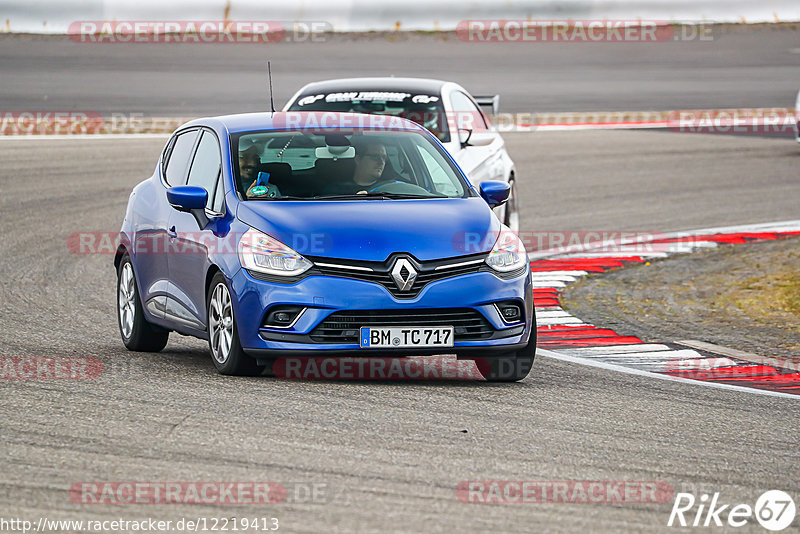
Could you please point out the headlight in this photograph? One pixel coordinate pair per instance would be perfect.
(508, 253)
(259, 252)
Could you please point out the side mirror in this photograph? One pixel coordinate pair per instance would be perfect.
(190, 199)
(495, 192)
(469, 138)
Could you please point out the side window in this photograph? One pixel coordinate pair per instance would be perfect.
(206, 166)
(179, 158)
(219, 196)
(399, 162)
(165, 155)
(467, 114)
(441, 182)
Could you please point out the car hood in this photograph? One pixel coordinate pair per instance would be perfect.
(372, 230)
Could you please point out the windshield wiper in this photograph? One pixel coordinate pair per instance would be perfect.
(374, 196)
(370, 196)
(364, 196)
(407, 195)
(377, 195)
(282, 197)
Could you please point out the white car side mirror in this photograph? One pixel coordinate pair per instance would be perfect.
(469, 138)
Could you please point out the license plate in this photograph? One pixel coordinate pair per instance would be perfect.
(406, 336)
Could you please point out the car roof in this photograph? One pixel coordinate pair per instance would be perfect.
(304, 120)
(385, 83)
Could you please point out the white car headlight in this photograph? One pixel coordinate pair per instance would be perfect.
(264, 254)
(508, 253)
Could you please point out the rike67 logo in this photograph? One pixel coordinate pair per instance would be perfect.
(774, 510)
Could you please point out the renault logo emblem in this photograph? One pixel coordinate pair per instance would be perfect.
(403, 274)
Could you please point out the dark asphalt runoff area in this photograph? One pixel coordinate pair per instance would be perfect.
(740, 67)
(389, 455)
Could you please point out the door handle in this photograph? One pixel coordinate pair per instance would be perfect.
(172, 233)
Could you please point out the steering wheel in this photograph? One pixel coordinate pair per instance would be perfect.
(400, 187)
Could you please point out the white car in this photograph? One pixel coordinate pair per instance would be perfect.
(444, 108)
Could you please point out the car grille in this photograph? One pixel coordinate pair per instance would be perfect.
(343, 326)
(380, 273)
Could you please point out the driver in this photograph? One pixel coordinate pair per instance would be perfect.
(370, 162)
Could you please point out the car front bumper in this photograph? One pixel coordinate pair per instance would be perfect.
(322, 296)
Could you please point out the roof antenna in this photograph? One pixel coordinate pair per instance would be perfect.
(271, 102)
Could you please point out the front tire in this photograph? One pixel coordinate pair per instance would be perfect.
(223, 336)
(509, 368)
(137, 333)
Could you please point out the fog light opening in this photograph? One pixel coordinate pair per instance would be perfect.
(510, 311)
(283, 316)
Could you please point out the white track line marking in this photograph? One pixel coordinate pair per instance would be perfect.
(544, 285)
(655, 366)
(704, 362)
(560, 321)
(618, 349)
(554, 313)
(679, 247)
(659, 355)
(555, 327)
(555, 275)
(563, 279)
(696, 363)
(638, 372)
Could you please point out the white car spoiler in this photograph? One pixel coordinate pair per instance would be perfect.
(493, 101)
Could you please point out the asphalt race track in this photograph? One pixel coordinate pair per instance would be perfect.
(744, 67)
(389, 455)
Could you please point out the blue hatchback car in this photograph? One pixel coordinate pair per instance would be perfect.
(307, 234)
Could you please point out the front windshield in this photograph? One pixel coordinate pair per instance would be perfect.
(339, 164)
(424, 109)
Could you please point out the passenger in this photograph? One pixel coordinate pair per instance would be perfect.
(249, 162)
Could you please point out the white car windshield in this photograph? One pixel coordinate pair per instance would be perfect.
(424, 109)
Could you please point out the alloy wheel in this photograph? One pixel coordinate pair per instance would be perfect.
(220, 323)
(126, 300)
